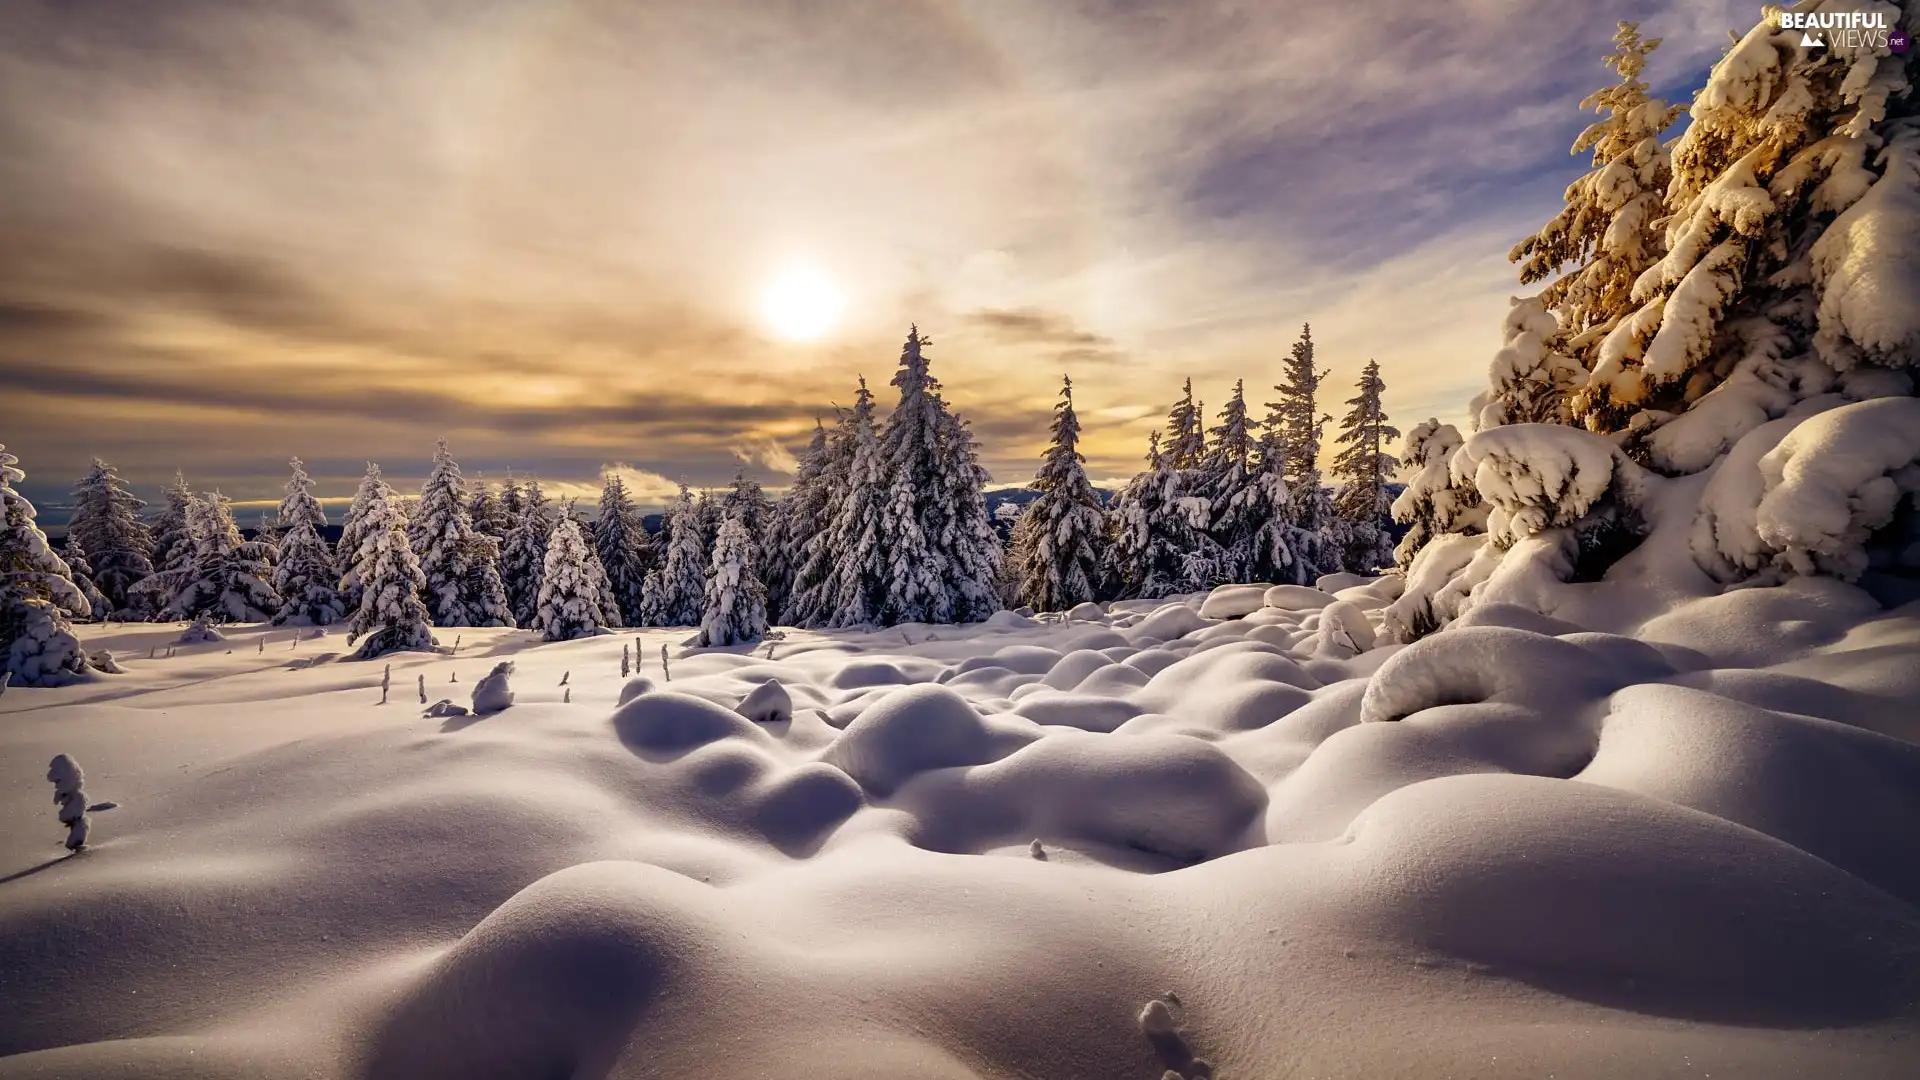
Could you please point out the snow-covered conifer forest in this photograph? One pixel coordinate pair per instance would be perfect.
(1573, 738)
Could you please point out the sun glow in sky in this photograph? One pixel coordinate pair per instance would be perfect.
(801, 303)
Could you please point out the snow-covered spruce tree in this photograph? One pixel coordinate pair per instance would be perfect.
(106, 522)
(1141, 560)
(675, 595)
(353, 530)
(914, 588)
(746, 500)
(74, 554)
(488, 512)
(857, 581)
(172, 550)
(228, 579)
(1779, 281)
(1186, 444)
(1605, 238)
(570, 592)
(961, 528)
(1234, 486)
(796, 518)
(1432, 505)
(513, 501)
(37, 595)
(707, 514)
(391, 616)
(1300, 423)
(735, 602)
(626, 552)
(1363, 467)
(524, 556)
(448, 545)
(1059, 557)
(305, 576)
(813, 562)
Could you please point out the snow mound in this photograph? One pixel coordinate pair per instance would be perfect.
(1233, 601)
(913, 730)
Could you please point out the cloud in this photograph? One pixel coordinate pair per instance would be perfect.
(768, 454)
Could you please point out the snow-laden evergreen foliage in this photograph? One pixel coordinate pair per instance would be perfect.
(569, 605)
(1792, 215)
(816, 509)
(458, 589)
(746, 500)
(1431, 505)
(1059, 557)
(734, 605)
(1240, 495)
(172, 550)
(857, 583)
(489, 512)
(37, 594)
(625, 551)
(74, 554)
(797, 518)
(391, 616)
(106, 522)
(306, 575)
(1605, 238)
(1363, 468)
(1300, 423)
(228, 579)
(523, 558)
(69, 792)
(913, 587)
(1147, 534)
(674, 593)
(1186, 445)
(961, 528)
(353, 533)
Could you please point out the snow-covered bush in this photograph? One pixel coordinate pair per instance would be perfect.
(735, 605)
(200, 632)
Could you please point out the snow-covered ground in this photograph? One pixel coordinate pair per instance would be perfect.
(1517, 848)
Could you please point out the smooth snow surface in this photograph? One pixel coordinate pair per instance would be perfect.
(1257, 842)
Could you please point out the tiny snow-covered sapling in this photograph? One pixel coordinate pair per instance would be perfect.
(6, 679)
(567, 697)
(565, 675)
(386, 682)
(456, 644)
(423, 688)
(1036, 850)
(153, 651)
(263, 643)
(453, 676)
(67, 779)
(663, 662)
(626, 660)
(491, 693)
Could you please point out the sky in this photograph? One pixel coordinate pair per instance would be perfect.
(579, 235)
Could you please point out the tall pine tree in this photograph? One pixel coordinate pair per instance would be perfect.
(1363, 466)
(626, 552)
(796, 519)
(450, 548)
(106, 522)
(524, 556)
(571, 589)
(1060, 531)
(306, 576)
(353, 530)
(678, 586)
(391, 616)
(734, 607)
(228, 579)
(857, 583)
(1300, 423)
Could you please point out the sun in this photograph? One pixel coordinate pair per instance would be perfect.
(801, 303)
